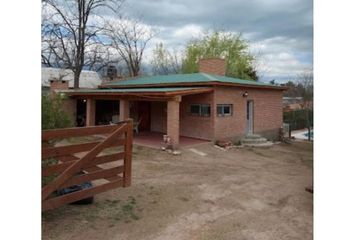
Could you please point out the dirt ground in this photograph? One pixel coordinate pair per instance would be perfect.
(205, 193)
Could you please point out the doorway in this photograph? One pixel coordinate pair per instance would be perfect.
(105, 110)
(249, 117)
(144, 109)
(80, 113)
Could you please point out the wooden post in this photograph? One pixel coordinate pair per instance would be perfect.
(173, 121)
(123, 110)
(69, 165)
(90, 112)
(77, 166)
(128, 147)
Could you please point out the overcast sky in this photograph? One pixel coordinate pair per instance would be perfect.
(279, 31)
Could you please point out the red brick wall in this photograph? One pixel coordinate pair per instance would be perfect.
(173, 122)
(58, 85)
(69, 106)
(268, 115)
(268, 111)
(190, 126)
(158, 117)
(230, 126)
(212, 65)
(196, 126)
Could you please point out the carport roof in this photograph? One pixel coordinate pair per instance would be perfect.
(168, 91)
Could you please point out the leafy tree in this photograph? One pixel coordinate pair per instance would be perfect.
(232, 47)
(164, 62)
(53, 116)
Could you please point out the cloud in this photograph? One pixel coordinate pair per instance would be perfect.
(188, 31)
(280, 32)
(282, 58)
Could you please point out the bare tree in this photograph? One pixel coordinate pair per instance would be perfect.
(71, 33)
(165, 62)
(129, 38)
(46, 53)
(305, 83)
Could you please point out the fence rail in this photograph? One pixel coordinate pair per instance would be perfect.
(74, 164)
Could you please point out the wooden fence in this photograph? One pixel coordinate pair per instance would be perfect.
(72, 164)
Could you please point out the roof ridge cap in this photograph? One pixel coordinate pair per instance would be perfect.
(209, 77)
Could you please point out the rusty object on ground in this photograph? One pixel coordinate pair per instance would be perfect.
(309, 189)
(224, 144)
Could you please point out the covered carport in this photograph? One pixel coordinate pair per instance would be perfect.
(127, 96)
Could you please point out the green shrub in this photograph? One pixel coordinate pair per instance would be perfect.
(45, 163)
(53, 115)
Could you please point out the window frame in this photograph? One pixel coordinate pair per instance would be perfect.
(222, 106)
(193, 113)
(200, 112)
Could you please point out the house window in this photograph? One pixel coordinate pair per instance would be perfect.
(195, 109)
(224, 110)
(205, 110)
(202, 110)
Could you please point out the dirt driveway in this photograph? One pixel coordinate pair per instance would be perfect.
(206, 193)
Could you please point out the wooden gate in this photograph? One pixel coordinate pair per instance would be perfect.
(106, 161)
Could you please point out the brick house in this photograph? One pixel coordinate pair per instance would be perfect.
(205, 105)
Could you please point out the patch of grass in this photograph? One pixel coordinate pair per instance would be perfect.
(139, 148)
(128, 209)
(48, 179)
(115, 210)
(112, 202)
(307, 161)
(260, 153)
(45, 163)
(49, 162)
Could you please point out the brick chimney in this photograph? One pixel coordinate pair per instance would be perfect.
(212, 65)
(58, 85)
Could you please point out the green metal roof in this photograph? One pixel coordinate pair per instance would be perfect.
(131, 90)
(183, 78)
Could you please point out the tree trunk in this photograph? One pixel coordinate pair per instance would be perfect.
(76, 79)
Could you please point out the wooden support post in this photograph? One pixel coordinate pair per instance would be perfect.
(128, 148)
(173, 121)
(123, 110)
(90, 112)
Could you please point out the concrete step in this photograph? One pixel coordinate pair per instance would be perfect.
(252, 136)
(253, 140)
(260, 145)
